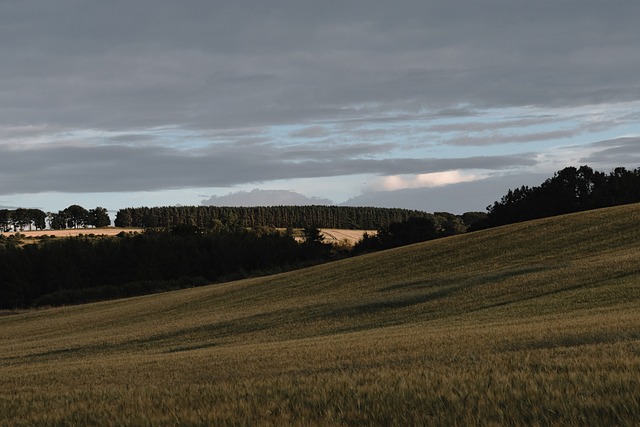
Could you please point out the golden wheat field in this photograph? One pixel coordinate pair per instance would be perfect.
(535, 323)
(331, 235)
(69, 232)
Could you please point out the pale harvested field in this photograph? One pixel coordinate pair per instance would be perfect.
(109, 231)
(332, 235)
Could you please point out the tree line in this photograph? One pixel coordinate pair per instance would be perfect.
(417, 229)
(22, 219)
(71, 270)
(569, 190)
(75, 216)
(209, 217)
(55, 271)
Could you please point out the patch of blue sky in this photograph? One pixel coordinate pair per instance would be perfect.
(491, 132)
(498, 132)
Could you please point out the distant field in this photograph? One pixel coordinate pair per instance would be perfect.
(535, 323)
(331, 235)
(109, 231)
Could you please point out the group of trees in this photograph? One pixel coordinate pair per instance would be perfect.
(569, 190)
(22, 219)
(86, 268)
(209, 217)
(74, 216)
(79, 269)
(414, 230)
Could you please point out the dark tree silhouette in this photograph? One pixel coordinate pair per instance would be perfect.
(569, 190)
(98, 217)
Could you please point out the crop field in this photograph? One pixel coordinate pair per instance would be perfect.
(69, 232)
(535, 323)
(331, 235)
(350, 237)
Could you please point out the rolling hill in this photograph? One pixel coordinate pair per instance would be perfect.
(535, 323)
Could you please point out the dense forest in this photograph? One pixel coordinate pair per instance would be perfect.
(209, 217)
(69, 270)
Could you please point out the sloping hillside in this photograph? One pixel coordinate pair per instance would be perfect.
(533, 323)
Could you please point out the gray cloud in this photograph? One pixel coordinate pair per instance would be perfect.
(483, 126)
(129, 64)
(311, 132)
(498, 138)
(257, 197)
(617, 152)
(114, 168)
(132, 139)
(151, 95)
(454, 198)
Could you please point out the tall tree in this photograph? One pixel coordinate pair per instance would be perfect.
(5, 220)
(76, 216)
(38, 218)
(313, 235)
(57, 221)
(124, 218)
(21, 219)
(99, 217)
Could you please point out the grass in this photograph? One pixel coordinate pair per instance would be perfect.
(529, 324)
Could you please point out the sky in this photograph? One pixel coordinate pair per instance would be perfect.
(430, 105)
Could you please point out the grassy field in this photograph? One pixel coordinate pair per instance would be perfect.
(532, 324)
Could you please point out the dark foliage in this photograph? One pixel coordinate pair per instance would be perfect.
(569, 190)
(313, 235)
(412, 230)
(209, 217)
(22, 219)
(98, 217)
(80, 269)
(75, 216)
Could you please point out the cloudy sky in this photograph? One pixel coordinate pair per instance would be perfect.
(433, 105)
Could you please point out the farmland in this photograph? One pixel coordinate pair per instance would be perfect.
(330, 235)
(533, 323)
(69, 232)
